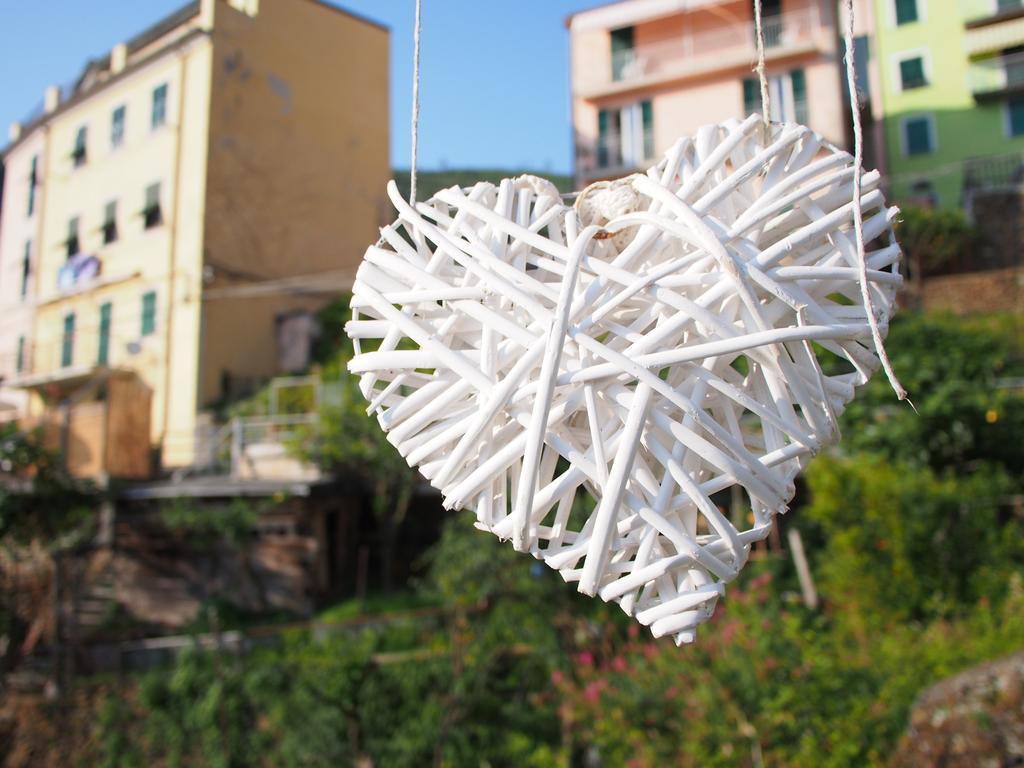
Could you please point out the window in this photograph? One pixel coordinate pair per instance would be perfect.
(117, 127)
(906, 11)
(787, 93)
(19, 361)
(159, 114)
(771, 23)
(625, 136)
(151, 214)
(148, 313)
(72, 241)
(103, 348)
(110, 222)
(918, 136)
(912, 73)
(67, 345)
(33, 181)
(922, 193)
(78, 154)
(623, 52)
(1008, 5)
(1015, 116)
(26, 268)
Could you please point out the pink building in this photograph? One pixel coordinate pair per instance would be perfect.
(645, 72)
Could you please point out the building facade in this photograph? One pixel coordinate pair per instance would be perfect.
(952, 75)
(645, 72)
(214, 176)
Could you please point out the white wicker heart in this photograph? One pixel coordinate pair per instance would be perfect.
(653, 346)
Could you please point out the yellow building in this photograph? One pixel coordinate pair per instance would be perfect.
(186, 188)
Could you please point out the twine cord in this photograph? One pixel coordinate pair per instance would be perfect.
(762, 76)
(415, 104)
(858, 214)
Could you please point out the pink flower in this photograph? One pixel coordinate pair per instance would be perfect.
(557, 677)
(634, 631)
(592, 693)
(671, 693)
(586, 658)
(619, 664)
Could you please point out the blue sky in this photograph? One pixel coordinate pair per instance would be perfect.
(494, 86)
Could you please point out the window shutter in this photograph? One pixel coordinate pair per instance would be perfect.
(1015, 107)
(647, 118)
(67, 350)
(103, 351)
(148, 313)
(906, 11)
(602, 137)
(918, 137)
(751, 97)
(622, 50)
(798, 81)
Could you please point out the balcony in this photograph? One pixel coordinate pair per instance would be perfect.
(705, 49)
(1003, 29)
(997, 77)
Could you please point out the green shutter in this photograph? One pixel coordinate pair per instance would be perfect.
(799, 84)
(602, 137)
(33, 180)
(159, 113)
(918, 136)
(148, 313)
(103, 350)
(647, 117)
(751, 96)
(67, 347)
(1015, 108)
(912, 73)
(622, 50)
(20, 362)
(906, 11)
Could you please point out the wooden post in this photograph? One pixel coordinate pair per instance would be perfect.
(803, 570)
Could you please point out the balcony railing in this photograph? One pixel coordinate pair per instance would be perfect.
(994, 172)
(997, 75)
(706, 46)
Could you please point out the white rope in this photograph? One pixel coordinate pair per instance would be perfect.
(766, 105)
(415, 104)
(858, 215)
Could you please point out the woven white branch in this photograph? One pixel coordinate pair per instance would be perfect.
(653, 349)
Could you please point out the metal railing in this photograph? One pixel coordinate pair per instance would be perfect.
(715, 43)
(996, 74)
(998, 171)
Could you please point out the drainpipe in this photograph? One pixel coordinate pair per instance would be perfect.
(172, 238)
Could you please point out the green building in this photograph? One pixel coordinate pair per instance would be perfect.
(952, 77)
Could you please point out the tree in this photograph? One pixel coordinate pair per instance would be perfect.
(931, 239)
(350, 443)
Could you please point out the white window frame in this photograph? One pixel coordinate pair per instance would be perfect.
(896, 59)
(933, 134)
(630, 134)
(922, 13)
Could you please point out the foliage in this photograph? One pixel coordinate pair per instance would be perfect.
(39, 501)
(916, 552)
(430, 182)
(933, 237)
(952, 367)
(233, 523)
(898, 541)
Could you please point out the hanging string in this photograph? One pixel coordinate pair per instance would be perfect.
(858, 214)
(762, 76)
(415, 104)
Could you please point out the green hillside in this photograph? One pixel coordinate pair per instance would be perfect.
(430, 182)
